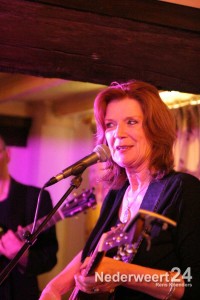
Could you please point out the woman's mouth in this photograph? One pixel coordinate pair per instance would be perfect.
(119, 148)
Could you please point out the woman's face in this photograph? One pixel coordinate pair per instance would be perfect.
(125, 134)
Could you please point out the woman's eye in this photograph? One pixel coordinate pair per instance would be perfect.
(132, 122)
(109, 125)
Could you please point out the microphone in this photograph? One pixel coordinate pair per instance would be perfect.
(101, 153)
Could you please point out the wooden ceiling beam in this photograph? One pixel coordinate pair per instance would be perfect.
(99, 45)
(147, 11)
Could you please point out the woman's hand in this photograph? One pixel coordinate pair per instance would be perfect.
(101, 281)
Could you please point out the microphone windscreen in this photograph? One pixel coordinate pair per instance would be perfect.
(103, 152)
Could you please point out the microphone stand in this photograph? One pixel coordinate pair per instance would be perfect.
(31, 238)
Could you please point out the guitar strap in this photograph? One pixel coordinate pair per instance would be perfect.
(150, 202)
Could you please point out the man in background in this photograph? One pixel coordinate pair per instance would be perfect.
(17, 209)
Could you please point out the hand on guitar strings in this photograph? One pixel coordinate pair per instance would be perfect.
(93, 284)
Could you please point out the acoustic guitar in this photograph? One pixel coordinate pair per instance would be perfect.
(117, 237)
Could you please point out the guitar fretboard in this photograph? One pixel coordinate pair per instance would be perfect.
(55, 218)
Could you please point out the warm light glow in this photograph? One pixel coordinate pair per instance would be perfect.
(175, 99)
(192, 3)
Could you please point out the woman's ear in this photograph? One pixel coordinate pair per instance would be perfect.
(8, 154)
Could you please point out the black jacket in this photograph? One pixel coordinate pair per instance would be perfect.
(177, 196)
(19, 209)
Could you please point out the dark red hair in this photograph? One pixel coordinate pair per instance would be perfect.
(158, 124)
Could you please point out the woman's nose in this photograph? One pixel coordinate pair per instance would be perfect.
(120, 132)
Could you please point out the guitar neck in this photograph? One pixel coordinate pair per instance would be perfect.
(95, 259)
(107, 241)
(72, 207)
(55, 218)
